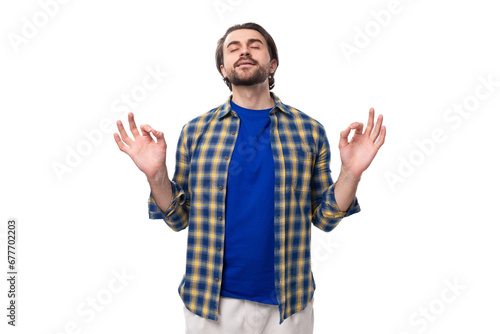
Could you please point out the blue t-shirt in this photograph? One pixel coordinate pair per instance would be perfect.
(248, 271)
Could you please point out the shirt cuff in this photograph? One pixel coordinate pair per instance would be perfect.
(331, 209)
(178, 198)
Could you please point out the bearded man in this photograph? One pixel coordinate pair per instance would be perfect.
(251, 177)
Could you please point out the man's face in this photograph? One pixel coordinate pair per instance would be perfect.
(246, 58)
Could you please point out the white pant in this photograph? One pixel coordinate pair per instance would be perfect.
(239, 316)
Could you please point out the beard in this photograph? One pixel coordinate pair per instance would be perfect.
(249, 76)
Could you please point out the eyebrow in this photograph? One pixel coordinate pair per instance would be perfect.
(249, 41)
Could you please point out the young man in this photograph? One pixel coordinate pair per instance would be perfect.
(250, 177)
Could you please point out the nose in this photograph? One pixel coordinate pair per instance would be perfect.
(245, 51)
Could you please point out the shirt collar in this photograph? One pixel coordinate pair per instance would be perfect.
(278, 105)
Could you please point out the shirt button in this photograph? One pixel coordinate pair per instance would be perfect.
(220, 217)
(220, 188)
(217, 279)
(226, 157)
(233, 132)
(218, 248)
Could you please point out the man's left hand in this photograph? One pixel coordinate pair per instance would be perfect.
(358, 154)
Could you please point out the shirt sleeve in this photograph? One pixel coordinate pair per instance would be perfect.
(326, 214)
(176, 215)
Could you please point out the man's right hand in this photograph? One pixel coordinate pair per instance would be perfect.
(148, 155)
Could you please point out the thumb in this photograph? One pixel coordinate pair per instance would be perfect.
(343, 137)
(160, 137)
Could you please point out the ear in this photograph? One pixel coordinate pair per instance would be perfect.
(274, 65)
(223, 70)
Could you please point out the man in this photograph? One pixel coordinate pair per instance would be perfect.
(251, 176)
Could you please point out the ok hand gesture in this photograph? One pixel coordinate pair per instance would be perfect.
(358, 154)
(148, 155)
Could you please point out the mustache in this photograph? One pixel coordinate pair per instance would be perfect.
(245, 59)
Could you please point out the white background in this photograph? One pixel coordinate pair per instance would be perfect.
(378, 272)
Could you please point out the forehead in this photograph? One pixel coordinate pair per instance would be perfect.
(243, 35)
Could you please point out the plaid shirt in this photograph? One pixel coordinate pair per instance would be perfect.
(303, 193)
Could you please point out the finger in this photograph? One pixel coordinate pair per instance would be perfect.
(381, 139)
(369, 125)
(124, 148)
(376, 131)
(123, 133)
(358, 126)
(133, 127)
(343, 137)
(146, 131)
(160, 138)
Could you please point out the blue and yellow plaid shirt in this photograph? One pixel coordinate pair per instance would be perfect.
(303, 194)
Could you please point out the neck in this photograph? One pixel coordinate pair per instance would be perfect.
(253, 97)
